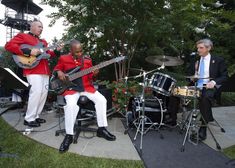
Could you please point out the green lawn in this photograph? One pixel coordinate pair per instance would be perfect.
(230, 152)
(33, 154)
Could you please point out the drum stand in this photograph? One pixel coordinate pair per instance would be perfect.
(193, 125)
(142, 118)
(125, 105)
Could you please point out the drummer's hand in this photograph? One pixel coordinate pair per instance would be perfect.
(61, 75)
(210, 85)
(192, 80)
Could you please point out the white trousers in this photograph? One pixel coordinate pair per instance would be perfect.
(71, 109)
(37, 95)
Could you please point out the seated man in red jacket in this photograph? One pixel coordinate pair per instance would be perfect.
(37, 77)
(84, 86)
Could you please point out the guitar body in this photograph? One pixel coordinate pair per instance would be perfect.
(59, 86)
(29, 62)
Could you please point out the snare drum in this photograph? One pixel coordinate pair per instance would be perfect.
(186, 92)
(162, 83)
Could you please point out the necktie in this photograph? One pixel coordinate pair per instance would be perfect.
(201, 73)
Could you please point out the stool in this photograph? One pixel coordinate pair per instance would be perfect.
(84, 115)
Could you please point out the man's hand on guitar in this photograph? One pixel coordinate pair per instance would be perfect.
(59, 46)
(35, 52)
(61, 75)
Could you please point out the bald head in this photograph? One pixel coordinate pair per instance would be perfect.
(36, 27)
(76, 48)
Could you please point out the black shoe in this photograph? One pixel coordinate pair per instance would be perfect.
(40, 120)
(32, 123)
(202, 133)
(104, 133)
(68, 139)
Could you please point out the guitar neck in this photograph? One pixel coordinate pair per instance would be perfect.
(49, 48)
(89, 70)
(53, 46)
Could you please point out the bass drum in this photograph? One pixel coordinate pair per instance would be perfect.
(153, 110)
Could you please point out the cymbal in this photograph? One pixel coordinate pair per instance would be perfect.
(197, 77)
(163, 59)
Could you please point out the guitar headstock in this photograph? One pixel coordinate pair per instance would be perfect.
(118, 59)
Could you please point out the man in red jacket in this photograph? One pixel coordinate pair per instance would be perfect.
(75, 61)
(37, 77)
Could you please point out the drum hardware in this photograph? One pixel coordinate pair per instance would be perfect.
(212, 135)
(142, 119)
(136, 69)
(196, 77)
(192, 124)
(125, 105)
(164, 60)
(126, 86)
(143, 74)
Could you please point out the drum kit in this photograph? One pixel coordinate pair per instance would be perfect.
(164, 85)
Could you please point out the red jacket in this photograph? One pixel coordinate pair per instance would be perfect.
(14, 47)
(66, 63)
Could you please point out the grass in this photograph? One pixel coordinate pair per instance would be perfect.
(33, 154)
(230, 152)
(228, 98)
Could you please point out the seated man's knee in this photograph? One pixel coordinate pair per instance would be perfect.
(102, 100)
(71, 103)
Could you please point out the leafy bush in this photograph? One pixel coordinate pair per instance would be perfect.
(121, 92)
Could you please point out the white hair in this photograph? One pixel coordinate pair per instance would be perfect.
(206, 42)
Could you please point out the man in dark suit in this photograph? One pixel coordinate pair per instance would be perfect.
(212, 74)
(213, 67)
